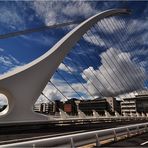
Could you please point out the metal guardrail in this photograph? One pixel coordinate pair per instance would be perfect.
(81, 139)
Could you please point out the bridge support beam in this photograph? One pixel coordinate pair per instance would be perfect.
(24, 85)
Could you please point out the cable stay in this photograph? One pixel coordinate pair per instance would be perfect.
(69, 84)
(123, 45)
(124, 69)
(132, 41)
(77, 79)
(109, 65)
(66, 98)
(118, 86)
(47, 98)
(124, 82)
(121, 36)
(39, 29)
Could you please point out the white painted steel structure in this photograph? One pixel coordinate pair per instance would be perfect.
(24, 85)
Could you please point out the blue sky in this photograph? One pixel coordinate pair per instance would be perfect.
(20, 50)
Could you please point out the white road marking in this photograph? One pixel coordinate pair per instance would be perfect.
(144, 143)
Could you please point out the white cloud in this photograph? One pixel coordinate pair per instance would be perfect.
(66, 68)
(105, 25)
(10, 18)
(53, 94)
(54, 11)
(15, 67)
(135, 23)
(94, 39)
(113, 86)
(1, 49)
(144, 37)
(3, 99)
(13, 59)
(139, 27)
(8, 61)
(5, 61)
(41, 39)
(138, 52)
(75, 9)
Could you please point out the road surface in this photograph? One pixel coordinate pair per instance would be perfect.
(136, 141)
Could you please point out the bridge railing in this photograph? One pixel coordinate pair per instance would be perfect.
(81, 139)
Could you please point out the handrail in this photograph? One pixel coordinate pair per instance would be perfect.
(80, 139)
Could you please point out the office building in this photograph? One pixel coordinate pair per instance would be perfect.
(139, 104)
(44, 108)
(142, 103)
(128, 106)
(114, 105)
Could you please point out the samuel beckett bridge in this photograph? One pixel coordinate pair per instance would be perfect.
(108, 37)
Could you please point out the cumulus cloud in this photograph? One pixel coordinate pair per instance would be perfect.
(53, 94)
(66, 68)
(75, 9)
(107, 73)
(137, 34)
(54, 11)
(94, 39)
(105, 27)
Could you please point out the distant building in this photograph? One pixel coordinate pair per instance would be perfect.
(37, 108)
(109, 104)
(58, 104)
(137, 104)
(114, 104)
(87, 106)
(44, 108)
(98, 105)
(142, 103)
(142, 92)
(128, 106)
(70, 106)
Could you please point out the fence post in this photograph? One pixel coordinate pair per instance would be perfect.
(146, 128)
(72, 143)
(138, 130)
(97, 141)
(128, 132)
(115, 135)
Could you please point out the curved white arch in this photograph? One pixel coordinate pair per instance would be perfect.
(26, 83)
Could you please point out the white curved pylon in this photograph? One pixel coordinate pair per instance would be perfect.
(24, 85)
